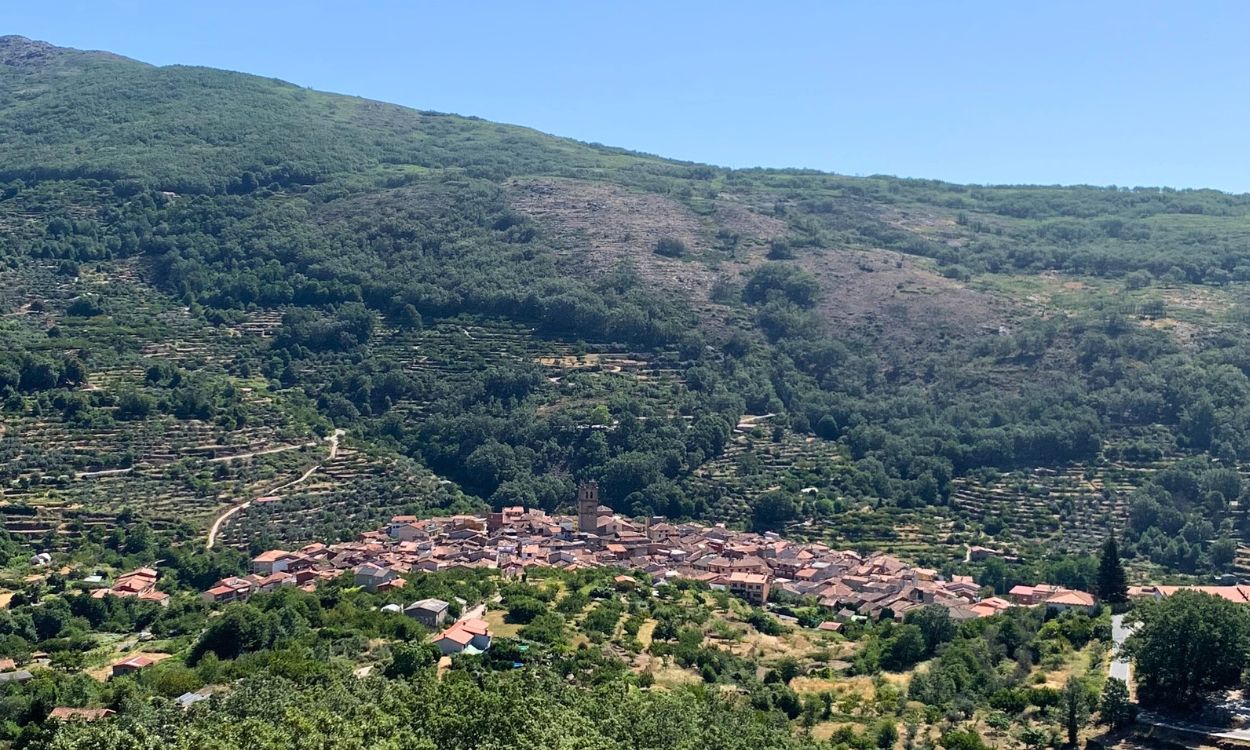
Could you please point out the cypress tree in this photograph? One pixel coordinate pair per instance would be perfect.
(1112, 583)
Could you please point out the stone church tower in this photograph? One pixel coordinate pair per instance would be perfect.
(588, 507)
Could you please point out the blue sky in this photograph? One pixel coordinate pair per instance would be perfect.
(1124, 93)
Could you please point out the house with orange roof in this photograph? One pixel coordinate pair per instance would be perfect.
(1031, 595)
(991, 606)
(472, 635)
(1235, 594)
(140, 583)
(753, 587)
(1074, 600)
(271, 561)
(132, 665)
(228, 590)
(372, 576)
(65, 713)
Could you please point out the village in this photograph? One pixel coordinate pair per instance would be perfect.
(755, 567)
(762, 569)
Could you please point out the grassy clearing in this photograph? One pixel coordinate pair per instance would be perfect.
(499, 627)
(646, 631)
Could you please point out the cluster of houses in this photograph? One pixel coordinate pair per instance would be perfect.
(139, 583)
(469, 635)
(269, 570)
(750, 565)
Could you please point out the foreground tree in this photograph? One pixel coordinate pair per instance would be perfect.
(935, 625)
(1114, 708)
(1112, 583)
(1075, 704)
(410, 659)
(1187, 645)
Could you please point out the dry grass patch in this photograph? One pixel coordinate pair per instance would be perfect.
(672, 676)
(1075, 663)
(500, 628)
(862, 685)
(825, 729)
(646, 631)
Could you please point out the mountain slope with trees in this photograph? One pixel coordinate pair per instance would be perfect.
(518, 312)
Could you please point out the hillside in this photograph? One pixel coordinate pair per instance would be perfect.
(209, 272)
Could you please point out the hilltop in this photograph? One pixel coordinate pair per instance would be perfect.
(210, 271)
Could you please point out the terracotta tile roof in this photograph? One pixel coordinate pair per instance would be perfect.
(65, 713)
(1073, 599)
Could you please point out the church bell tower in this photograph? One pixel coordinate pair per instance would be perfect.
(588, 507)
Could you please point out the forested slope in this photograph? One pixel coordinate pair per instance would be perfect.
(241, 263)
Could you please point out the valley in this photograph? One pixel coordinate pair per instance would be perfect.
(301, 395)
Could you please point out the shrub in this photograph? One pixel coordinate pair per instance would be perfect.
(670, 247)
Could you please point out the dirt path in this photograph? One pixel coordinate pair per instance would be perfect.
(265, 451)
(333, 440)
(476, 613)
(218, 459)
(102, 473)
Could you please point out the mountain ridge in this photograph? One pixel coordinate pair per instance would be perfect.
(20, 52)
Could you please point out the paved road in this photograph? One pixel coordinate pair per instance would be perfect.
(1120, 666)
(1200, 729)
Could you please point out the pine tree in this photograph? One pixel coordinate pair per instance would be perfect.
(1112, 583)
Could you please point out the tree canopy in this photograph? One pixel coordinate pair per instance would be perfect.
(1187, 645)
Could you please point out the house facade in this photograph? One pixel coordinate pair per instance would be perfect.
(429, 612)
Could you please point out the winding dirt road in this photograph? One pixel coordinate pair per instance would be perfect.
(333, 440)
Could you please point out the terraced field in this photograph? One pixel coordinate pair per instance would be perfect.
(445, 353)
(753, 464)
(1028, 513)
(70, 470)
(165, 473)
(1073, 507)
(62, 476)
(345, 494)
